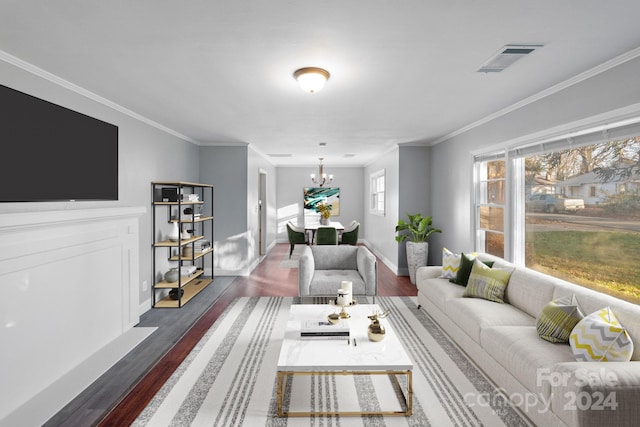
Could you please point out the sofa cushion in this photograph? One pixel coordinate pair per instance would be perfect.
(524, 355)
(596, 394)
(327, 282)
(473, 315)
(530, 290)
(438, 290)
(600, 337)
(486, 282)
(558, 318)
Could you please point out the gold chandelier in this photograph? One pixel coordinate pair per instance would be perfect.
(322, 178)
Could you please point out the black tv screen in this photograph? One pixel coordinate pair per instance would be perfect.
(52, 153)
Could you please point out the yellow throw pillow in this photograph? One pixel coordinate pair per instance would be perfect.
(486, 282)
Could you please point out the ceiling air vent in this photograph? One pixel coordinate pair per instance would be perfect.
(507, 56)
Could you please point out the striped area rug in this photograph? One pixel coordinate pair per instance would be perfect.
(229, 379)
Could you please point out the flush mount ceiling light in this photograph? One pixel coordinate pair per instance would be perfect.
(311, 79)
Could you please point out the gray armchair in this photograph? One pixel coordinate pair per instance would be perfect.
(321, 269)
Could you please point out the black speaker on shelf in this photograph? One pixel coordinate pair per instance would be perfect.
(174, 295)
(169, 194)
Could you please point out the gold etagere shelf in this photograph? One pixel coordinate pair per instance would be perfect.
(180, 195)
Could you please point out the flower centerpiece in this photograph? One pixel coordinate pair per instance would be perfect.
(324, 209)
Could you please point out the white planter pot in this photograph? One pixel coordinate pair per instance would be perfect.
(417, 253)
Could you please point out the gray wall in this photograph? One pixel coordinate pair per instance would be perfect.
(226, 168)
(413, 192)
(451, 164)
(380, 230)
(257, 164)
(290, 182)
(146, 154)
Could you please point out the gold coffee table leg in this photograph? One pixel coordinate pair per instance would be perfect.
(280, 393)
(405, 400)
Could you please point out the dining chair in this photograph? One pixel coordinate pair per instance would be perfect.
(326, 236)
(297, 235)
(350, 234)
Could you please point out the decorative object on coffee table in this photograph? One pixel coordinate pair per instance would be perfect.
(376, 331)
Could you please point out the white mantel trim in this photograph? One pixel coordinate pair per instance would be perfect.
(39, 218)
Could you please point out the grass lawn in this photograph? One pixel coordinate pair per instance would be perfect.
(596, 259)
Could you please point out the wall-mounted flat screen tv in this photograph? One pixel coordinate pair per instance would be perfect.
(52, 153)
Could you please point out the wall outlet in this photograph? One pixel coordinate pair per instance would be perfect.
(145, 285)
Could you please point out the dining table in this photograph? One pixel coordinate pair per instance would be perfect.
(313, 226)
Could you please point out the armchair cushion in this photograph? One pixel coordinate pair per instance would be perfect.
(322, 268)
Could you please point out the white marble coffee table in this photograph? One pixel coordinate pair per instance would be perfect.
(358, 356)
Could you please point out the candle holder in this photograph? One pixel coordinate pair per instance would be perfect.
(338, 302)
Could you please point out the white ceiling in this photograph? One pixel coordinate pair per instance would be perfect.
(402, 71)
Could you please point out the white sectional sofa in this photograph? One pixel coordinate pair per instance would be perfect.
(542, 378)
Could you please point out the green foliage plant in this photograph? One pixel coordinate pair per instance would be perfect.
(417, 229)
(324, 209)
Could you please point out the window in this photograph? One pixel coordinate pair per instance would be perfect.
(376, 206)
(489, 205)
(572, 208)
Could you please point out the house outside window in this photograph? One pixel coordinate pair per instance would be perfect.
(376, 205)
(596, 246)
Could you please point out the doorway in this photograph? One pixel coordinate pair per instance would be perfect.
(262, 213)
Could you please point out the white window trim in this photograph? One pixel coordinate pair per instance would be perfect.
(618, 124)
(373, 194)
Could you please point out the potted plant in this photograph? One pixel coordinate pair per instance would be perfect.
(415, 232)
(324, 210)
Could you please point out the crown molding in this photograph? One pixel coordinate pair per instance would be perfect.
(605, 66)
(37, 71)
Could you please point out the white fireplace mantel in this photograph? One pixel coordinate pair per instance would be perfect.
(68, 288)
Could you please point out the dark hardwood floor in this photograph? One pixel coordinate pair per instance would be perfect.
(268, 279)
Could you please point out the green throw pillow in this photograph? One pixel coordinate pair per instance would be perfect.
(466, 264)
(487, 283)
(558, 318)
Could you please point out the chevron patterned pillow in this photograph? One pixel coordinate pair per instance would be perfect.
(600, 337)
(450, 264)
